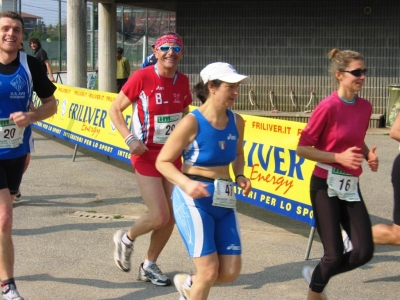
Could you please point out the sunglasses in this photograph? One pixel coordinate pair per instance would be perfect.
(166, 49)
(356, 73)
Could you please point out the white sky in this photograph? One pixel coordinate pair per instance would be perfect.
(47, 9)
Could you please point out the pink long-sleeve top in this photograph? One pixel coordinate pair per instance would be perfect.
(335, 126)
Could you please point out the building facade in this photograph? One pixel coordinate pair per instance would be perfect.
(283, 46)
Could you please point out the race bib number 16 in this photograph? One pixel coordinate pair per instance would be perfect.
(342, 185)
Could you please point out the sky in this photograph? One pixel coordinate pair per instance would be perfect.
(47, 9)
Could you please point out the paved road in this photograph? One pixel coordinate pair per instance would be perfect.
(63, 231)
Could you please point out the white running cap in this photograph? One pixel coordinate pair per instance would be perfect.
(224, 72)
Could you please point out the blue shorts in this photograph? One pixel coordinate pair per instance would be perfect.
(205, 228)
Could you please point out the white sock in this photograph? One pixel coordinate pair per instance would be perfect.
(126, 240)
(147, 263)
(189, 280)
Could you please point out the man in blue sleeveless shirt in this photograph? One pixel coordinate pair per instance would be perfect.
(20, 75)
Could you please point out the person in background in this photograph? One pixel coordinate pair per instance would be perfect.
(211, 139)
(334, 138)
(123, 69)
(15, 132)
(158, 97)
(41, 55)
(151, 59)
(385, 234)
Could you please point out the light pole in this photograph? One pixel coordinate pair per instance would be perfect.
(59, 36)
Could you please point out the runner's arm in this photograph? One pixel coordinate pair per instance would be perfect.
(47, 109)
(115, 112)
(395, 130)
(239, 162)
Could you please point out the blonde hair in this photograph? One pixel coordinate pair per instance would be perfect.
(340, 60)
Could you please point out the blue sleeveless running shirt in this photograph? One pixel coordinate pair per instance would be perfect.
(212, 147)
(15, 94)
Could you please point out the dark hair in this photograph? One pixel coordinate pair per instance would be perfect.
(13, 15)
(120, 50)
(202, 91)
(35, 41)
(22, 48)
(342, 59)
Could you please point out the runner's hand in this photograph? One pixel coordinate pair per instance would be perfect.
(351, 158)
(21, 119)
(196, 189)
(373, 161)
(137, 147)
(244, 183)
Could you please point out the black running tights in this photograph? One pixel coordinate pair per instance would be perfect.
(330, 214)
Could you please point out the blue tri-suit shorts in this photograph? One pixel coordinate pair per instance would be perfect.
(205, 228)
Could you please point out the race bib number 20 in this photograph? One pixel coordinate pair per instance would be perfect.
(10, 135)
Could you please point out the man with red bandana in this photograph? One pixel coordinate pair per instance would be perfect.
(158, 96)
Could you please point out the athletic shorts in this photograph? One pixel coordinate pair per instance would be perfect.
(205, 228)
(396, 190)
(145, 164)
(11, 171)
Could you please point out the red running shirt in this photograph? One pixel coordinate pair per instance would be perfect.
(158, 103)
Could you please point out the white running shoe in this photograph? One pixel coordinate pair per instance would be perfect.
(347, 245)
(10, 293)
(153, 274)
(122, 252)
(142, 274)
(183, 285)
(307, 274)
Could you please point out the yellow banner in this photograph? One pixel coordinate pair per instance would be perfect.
(82, 118)
(280, 178)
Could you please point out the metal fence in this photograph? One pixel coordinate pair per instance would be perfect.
(137, 29)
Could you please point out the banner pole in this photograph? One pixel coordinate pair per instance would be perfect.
(76, 149)
(310, 240)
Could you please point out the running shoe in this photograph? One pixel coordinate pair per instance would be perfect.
(18, 195)
(10, 292)
(153, 274)
(142, 274)
(347, 245)
(181, 282)
(307, 274)
(122, 252)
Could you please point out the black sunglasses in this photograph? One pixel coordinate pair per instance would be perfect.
(356, 73)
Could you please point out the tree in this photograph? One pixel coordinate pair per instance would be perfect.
(53, 34)
(40, 35)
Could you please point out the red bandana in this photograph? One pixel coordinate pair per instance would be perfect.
(168, 38)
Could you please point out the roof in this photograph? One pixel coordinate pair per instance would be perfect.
(25, 15)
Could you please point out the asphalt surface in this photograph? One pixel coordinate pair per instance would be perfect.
(64, 224)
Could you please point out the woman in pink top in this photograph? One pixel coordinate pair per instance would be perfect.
(334, 138)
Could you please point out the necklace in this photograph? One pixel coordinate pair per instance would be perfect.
(349, 102)
(158, 74)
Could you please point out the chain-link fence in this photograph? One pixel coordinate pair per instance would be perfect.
(137, 29)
